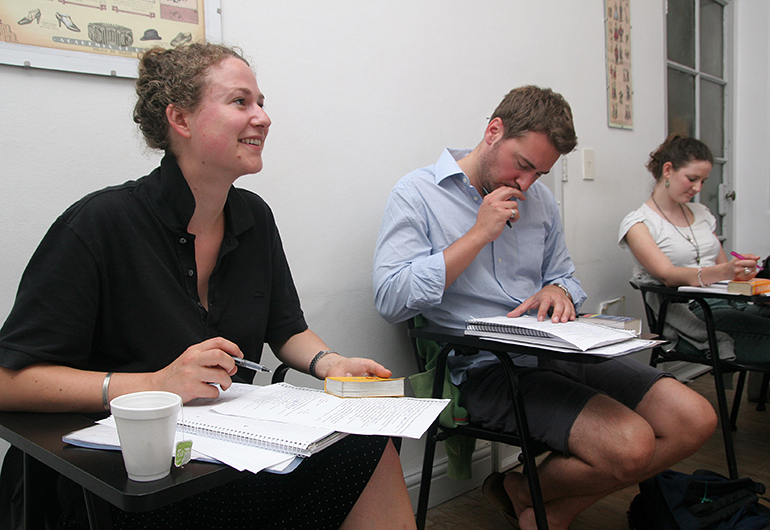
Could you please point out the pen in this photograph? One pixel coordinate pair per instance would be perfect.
(251, 365)
(508, 221)
(741, 257)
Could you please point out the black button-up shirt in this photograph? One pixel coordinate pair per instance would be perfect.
(113, 284)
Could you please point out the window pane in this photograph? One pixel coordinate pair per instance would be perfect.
(711, 37)
(712, 114)
(681, 103)
(680, 31)
(709, 194)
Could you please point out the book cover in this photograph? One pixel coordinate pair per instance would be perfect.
(364, 386)
(749, 287)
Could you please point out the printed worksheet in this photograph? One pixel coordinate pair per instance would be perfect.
(402, 416)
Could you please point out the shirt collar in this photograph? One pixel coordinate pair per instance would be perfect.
(447, 165)
(173, 201)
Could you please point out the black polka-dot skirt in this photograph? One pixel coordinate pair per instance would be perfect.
(317, 495)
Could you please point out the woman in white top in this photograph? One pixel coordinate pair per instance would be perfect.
(673, 242)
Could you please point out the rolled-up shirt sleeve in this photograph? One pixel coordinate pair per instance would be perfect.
(408, 274)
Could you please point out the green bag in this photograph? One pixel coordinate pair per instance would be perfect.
(459, 448)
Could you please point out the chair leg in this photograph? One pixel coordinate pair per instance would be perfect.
(34, 494)
(99, 516)
(727, 435)
(427, 476)
(763, 392)
(737, 400)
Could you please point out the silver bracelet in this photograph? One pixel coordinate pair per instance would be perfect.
(566, 291)
(700, 280)
(318, 356)
(106, 391)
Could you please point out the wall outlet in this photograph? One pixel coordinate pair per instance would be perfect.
(589, 171)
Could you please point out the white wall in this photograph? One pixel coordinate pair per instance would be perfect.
(752, 125)
(361, 93)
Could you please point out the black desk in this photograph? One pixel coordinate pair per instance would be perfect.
(100, 473)
(456, 339)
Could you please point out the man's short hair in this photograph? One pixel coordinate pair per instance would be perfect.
(534, 109)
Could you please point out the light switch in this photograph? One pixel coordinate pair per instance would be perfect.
(589, 171)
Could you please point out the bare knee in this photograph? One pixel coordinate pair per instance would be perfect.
(621, 451)
(614, 440)
(679, 414)
(632, 453)
(697, 421)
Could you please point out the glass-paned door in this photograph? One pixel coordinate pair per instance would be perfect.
(698, 88)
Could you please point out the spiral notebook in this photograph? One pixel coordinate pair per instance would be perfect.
(292, 438)
(199, 418)
(302, 440)
(573, 335)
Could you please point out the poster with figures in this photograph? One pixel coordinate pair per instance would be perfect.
(620, 91)
(107, 28)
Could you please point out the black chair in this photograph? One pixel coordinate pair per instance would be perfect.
(437, 432)
(279, 374)
(719, 367)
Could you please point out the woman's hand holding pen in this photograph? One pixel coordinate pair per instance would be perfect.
(194, 373)
(745, 266)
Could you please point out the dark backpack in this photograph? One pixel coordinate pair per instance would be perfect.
(702, 501)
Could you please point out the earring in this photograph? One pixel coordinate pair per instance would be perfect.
(667, 183)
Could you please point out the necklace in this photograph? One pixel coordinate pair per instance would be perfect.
(693, 241)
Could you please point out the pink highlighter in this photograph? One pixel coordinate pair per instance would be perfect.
(741, 257)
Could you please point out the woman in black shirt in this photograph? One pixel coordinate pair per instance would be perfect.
(158, 283)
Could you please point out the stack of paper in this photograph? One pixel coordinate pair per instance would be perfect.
(255, 428)
(573, 336)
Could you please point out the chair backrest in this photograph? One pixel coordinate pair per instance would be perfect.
(657, 353)
(652, 322)
(684, 350)
(280, 373)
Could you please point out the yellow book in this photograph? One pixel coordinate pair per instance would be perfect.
(749, 287)
(364, 386)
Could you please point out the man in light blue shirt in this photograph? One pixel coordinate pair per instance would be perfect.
(475, 235)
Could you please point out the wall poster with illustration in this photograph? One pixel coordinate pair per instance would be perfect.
(100, 36)
(620, 90)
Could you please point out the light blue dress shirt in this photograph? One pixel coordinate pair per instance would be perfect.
(431, 208)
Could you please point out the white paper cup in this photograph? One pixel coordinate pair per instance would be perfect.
(146, 424)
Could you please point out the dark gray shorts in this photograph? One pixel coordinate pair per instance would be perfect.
(554, 394)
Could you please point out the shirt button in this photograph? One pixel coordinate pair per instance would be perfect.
(190, 272)
(499, 260)
(475, 198)
(183, 240)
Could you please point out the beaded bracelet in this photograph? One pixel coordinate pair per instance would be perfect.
(700, 280)
(106, 391)
(318, 356)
